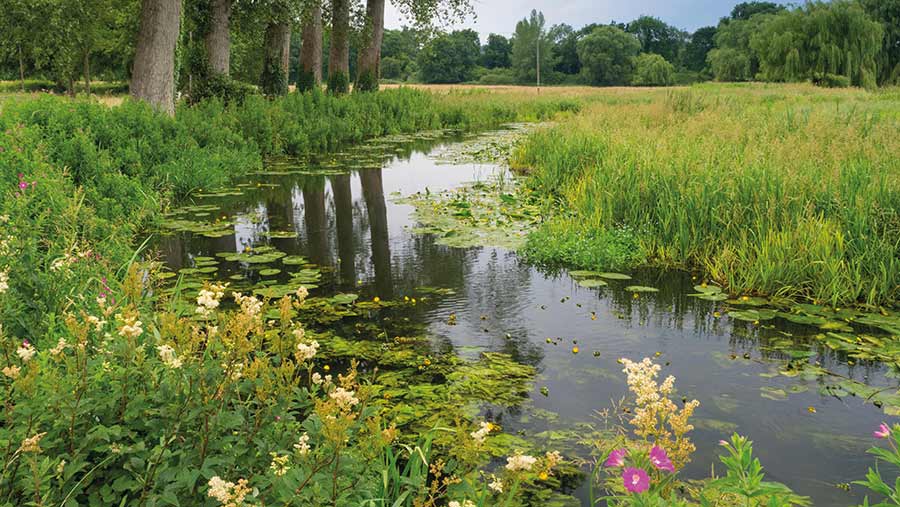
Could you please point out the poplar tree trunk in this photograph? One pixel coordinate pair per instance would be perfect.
(311, 51)
(87, 73)
(21, 69)
(274, 79)
(368, 68)
(218, 37)
(339, 57)
(153, 77)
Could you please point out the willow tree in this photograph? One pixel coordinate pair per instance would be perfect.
(310, 75)
(339, 54)
(887, 12)
(153, 76)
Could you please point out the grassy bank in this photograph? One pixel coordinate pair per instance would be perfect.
(788, 190)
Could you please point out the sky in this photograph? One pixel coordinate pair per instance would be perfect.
(500, 16)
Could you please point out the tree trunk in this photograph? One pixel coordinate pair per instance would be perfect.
(339, 57)
(21, 69)
(87, 72)
(218, 37)
(311, 51)
(153, 78)
(368, 68)
(274, 79)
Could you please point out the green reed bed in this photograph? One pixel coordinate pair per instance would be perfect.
(786, 190)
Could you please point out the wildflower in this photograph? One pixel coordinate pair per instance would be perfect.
(883, 431)
(299, 332)
(32, 444)
(25, 352)
(616, 458)
(553, 458)
(60, 347)
(228, 493)
(4, 281)
(206, 302)
(11, 372)
(496, 485)
(520, 462)
(723, 443)
(279, 465)
(307, 351)
(316, 378)
(251, 306)
(481, 434)
(302, 445)
(376, 299)
(131, 328)
(301, 294)
(96, 322)
(636, 480)
(344, 398)
(575, 350)
(465, 503)
(660, 460)
(60, 467)
(168, 356)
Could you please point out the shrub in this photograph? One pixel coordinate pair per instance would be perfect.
(230, 91)
(826, 80)
(498, 77)
(652, 70)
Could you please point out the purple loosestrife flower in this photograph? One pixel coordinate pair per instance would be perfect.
(616, 458)
(636, 480)
(660, 459)
(883, 431)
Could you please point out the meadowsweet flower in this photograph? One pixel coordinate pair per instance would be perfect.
(302, 293)
(4, 281)
(344, 398)
(316, 378)
(279, 465)
(60, 347)
(465, 503)
(521, 462)
(883, 431)
(481, 434)
(302, 445)
(131, 327)
(250, 305)
(208, 299)
(11, 372)
(616, 458)
(97, 322)
(307, 351)
(636, 480)
(25, 352)
(496, 485)
(32, 444)
(169, 357)
(298, 332)
(228, 494)
(553, 458)
(660, 459)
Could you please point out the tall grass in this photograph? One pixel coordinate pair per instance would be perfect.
(772, 189)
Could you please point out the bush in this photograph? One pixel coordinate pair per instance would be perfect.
(498, 77)
(831, 80)
(652, 70)
(230, 91)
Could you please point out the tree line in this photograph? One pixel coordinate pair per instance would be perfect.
(204, 47)
(838, 43)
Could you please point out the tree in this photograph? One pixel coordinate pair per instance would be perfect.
(652, 70)
(310, 74)
(607, 55)
(528, 38)
(153, 80)
(369, 62)
(218, 37)
(450, 58)
(746, 10)
(400, 50)
(729, 64)
(887, 12)
(734, 36)
(496, 53)
(276, 58)
(339, 56)
(657, 37)
(695, 52)
(19, 22)
(564, 40)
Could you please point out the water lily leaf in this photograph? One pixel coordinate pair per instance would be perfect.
(773, 393)
(269, 272)
(640, 288)
(592, 283)
(614, 276)
(584, 274)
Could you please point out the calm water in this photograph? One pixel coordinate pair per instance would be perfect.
(349, 222)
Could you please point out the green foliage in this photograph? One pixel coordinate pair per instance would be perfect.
(497, 52)
(366, 82)
(528, 37)
(450, 58)
(498, 77)
(831, 80)
(565, 243)
(221, 87)
(746, 10)
(273, 81)
(652, 70)
(695, 52)
(887, 12)
(874, 480)
(607, 55)
(657, 37)
(306, 81)
(728, 64)
(338, 83)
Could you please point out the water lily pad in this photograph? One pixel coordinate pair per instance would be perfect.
(592, 283)
(294, 260)
(269, 272)
(614, 276)
(640, 289)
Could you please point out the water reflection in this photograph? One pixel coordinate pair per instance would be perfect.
(348, 223)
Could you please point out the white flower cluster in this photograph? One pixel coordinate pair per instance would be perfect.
(307, 351)
(60, 347)
(496, 484)
(251, 306)
(228, 494)
(208, 299)
(26, 352)
(519, 462)
(169, 357)
(344, 398)
(131, 327)
(319, 379)
(302, 445)
(302, 293)
(97, 322)
(4, 281)
(465, 503)
(481, 434)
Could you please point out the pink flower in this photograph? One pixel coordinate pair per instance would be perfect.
(616, 458)
(636, 480)
(23, 185)
(660, 459)
(883, 431)
(723, 443)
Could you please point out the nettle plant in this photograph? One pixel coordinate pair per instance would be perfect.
(643, 471)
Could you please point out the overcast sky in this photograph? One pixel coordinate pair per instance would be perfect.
(500, 16)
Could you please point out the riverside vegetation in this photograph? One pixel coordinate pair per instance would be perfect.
(118, 391)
